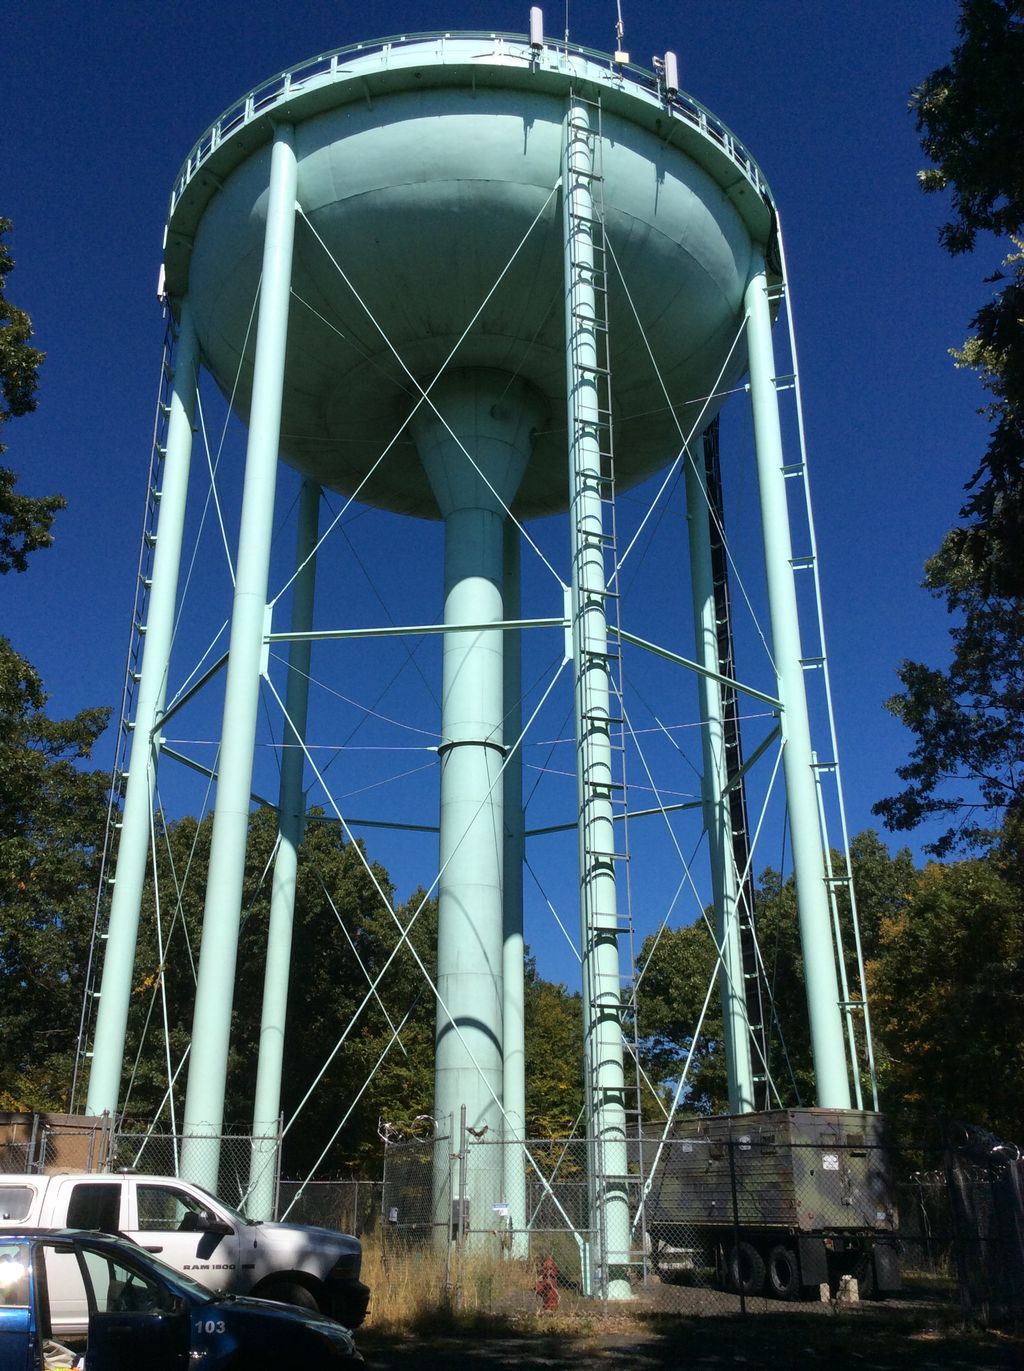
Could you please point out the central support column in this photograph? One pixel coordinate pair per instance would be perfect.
(493, 417)
(514, 1036)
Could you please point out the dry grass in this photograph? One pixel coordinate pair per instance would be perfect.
(484, 1315)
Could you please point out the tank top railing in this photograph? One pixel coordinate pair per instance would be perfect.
(331, 66)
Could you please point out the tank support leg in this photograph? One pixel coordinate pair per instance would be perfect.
(725, 880)
(204, 1100)
(291, 811)
(801, 793)
(133, 851)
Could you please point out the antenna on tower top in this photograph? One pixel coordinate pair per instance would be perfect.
(620, 53)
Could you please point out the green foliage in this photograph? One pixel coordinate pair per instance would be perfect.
(990, 545)
(968, 718)
(678, 968)
(343, 937)
(363, 1050)
(946, 992)
(554, 1053)
(25, 521)
(52, 816)
(674, 971)
(970, 114)
(967, 763)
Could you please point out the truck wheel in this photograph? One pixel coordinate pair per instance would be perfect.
(783, 1272)
(746, 1269)
(867, 1285)
(289, 1292)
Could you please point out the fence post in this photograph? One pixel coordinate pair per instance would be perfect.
(461, 1227)
(956, 1228)
(735, 1227)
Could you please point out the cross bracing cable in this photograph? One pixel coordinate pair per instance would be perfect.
(554, 912)
(366, 355)
(213, 465)
(355, 952)
(404, 931)
(212, 494)
(395, 1037)
(404, 939)
(685, 440)
(371, 581)
(161, 982)
(366, 710)
(424, 392)
(731, 916)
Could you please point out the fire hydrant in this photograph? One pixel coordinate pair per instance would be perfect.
(547, 1286)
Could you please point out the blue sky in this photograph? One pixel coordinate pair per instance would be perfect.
(102, 104)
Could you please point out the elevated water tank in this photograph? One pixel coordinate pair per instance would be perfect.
(428, 184)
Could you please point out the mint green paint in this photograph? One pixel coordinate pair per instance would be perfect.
(133, 850)
(725, 882)
(602, 1029)
(204, 1100)
(422, 180)
(827, 1048)
(493, 416)
(291, 808)
(514, 950)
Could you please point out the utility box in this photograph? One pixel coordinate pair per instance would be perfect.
(785, 1198)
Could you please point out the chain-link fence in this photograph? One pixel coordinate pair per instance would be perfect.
(803, 1208)
(244, 1161)
(34, 1143)
(350, 1206)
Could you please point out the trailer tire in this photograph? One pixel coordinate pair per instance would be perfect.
(746, 1269)
(783, 1272)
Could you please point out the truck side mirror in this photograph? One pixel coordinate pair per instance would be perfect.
(209, 1223)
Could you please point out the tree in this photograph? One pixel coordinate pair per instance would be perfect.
(967, 763)
(554, 1057)
(52, 815)
(969, 114)
(24, 520)
(679, 967)
(966, 718)
(343, 936)
(946, 989)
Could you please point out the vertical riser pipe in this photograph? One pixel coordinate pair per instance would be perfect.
(602, 1029)
(714, 781)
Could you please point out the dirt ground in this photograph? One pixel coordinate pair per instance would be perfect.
(876, 1339)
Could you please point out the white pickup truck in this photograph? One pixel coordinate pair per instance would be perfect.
(191, 1231)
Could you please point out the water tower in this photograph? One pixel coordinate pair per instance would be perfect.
(522, 264)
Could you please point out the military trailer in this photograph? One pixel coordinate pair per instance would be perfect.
(780, 1202)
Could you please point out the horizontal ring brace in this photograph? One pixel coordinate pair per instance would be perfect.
(500, 748)
(415, 630)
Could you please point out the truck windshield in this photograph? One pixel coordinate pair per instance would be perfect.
(178, 1281)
